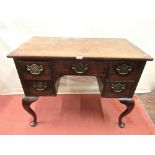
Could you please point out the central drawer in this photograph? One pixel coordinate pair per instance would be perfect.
(80, 67)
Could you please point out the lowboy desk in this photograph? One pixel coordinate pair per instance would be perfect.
(116, 63)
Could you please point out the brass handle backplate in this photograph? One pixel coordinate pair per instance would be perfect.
(123, 69)
(35, 69)
(39, 85)
(118, 87)
(80, 67)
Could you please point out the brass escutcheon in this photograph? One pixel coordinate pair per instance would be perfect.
(79, 67)
(39, 85)
(118, 87)
(35, 69)
(123, 69)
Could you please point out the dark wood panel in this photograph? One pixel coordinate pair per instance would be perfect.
(103, 70)
(31, 89)
(125, 91)
(45, 73)
(125, 70)
(65, 67)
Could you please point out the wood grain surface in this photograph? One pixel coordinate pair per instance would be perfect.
(104, 48)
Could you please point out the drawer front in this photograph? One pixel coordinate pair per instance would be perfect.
(38, 88)
(79, 67)
(34, 70)
(119, 89)
(125, 70)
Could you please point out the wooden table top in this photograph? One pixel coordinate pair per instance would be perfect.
(102, 48)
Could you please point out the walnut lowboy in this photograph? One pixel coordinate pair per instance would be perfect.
(117, 73)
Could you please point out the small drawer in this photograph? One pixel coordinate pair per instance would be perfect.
(119, 89)
(79, 67)
(34, 70)
(38, 88)
(125, 70)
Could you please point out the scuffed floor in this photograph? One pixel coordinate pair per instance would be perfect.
(148, 101)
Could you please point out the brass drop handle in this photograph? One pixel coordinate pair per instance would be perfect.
(39, 85)
(123, 69)
(35, 69)
(118, 87)
(79, 67)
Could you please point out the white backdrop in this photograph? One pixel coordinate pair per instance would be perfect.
(71, 18)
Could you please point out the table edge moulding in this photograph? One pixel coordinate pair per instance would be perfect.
(116, 63)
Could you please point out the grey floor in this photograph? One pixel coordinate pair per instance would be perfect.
(148, 101)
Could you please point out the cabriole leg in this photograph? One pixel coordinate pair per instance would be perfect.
(129, 103)
(26, 102)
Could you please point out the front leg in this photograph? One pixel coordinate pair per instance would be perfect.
(26, 102)
(129, 103)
